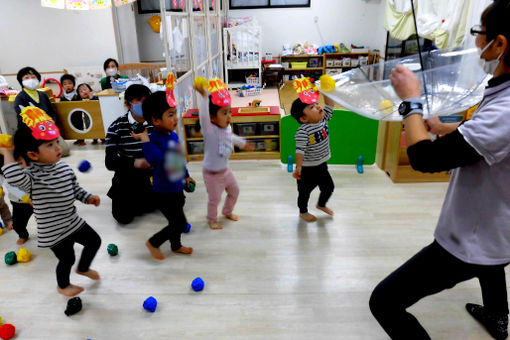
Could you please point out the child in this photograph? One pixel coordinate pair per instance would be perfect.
(124, 155)
(21, 206)
(215, 115)
(111, 68)
(312, 148)
(471, 237)
(68, 82)
(85, 93)
(162, 151)
(53, 188)
(29, 79)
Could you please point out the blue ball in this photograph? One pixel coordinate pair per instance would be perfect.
(150, 304)
(188, 228)
(84, 166)
(197, 284)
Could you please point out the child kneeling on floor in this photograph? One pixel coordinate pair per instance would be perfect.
(53, 188)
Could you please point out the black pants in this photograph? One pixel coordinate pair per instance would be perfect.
(21, 213)
(131, 197)
(171, 205)
(64, 251)
(431, 271)
(312, 176)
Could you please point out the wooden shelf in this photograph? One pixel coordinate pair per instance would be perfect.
(193, 139)
(261, 136)
(302, 56)
(305, 69)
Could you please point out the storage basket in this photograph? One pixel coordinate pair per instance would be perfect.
(250, 92)
(298, 64)
(246, 129)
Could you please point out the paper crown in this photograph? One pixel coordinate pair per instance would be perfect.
(219, 92)
(170, 97)
(42, 126)
(306, 90)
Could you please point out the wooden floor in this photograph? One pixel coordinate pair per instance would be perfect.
(268, 276)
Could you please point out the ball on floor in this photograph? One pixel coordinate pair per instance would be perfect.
(197, 284)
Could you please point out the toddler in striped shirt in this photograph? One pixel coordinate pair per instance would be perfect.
(53, 188)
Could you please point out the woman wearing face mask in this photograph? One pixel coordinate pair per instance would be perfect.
(30, 79)
(111, 68)
(131, 190)
(472, 237)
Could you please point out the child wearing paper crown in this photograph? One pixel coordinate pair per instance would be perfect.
(53, 188)
(312, 147)
(163, 152)
(215, 115)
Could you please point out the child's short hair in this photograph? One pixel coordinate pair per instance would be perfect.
(297, 110)
(136, 91)
(213, 108)
(68, 77)
(25, 142)
(107, 61)
(83, 84)
(27, 70)
(154, 106)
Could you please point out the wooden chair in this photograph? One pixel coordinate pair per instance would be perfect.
(147, 70)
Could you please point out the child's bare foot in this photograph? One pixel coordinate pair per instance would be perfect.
(9, 226)
(184, 250)
(70, 290)
(232, 217)
(326, 210)
(155, 252)
(21, 240)
(90, 274)
(215, 225)
(308, 217)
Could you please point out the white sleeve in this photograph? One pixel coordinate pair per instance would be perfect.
(203, 112)
(15, 192)
(238, 141)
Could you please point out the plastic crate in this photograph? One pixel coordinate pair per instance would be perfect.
(268, 128)
(252, 80)
(298, 64)
(250, 92)
(119, 87)
(268, 144)
(246, 129)
(195, 147)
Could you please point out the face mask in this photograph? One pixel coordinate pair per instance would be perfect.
(137, 109)
(31, 84)
(490, 66)
(111, 71)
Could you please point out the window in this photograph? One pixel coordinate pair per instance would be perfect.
(247, 4)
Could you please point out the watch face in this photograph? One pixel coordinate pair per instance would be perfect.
(402, 108)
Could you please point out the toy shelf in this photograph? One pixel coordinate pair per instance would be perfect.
(260, 126)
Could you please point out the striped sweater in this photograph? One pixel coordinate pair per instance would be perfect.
(312, 140)
(53, 189)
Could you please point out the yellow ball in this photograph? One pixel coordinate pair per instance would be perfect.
(328, 84)
(200, 82)
(25, 199)
(24, 255)
(386, 106)
(1, 232)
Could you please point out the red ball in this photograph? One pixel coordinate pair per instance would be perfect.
(7, 331)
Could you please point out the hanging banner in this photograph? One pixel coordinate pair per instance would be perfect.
(100, 4)
(123, 2)
(77, 4)
(60, 4)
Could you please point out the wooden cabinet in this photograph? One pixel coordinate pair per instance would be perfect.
(259, 125)
(391, 156)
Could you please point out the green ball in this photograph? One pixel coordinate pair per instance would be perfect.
(112, 249)
(10, 258)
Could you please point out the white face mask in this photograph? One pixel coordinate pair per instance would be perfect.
(489, 66)
(111, 71)
(31, 84)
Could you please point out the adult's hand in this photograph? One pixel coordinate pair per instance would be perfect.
(405, 82)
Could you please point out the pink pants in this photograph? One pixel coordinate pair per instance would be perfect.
(216, 182)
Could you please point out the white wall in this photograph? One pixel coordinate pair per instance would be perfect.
(349, 21)
(50, 39)
(149, 42)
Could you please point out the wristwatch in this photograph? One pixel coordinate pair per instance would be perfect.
(410, 106)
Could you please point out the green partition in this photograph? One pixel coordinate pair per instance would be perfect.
(350, 136)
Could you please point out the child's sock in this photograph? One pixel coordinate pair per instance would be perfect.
(308, 217)
(497, 326)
